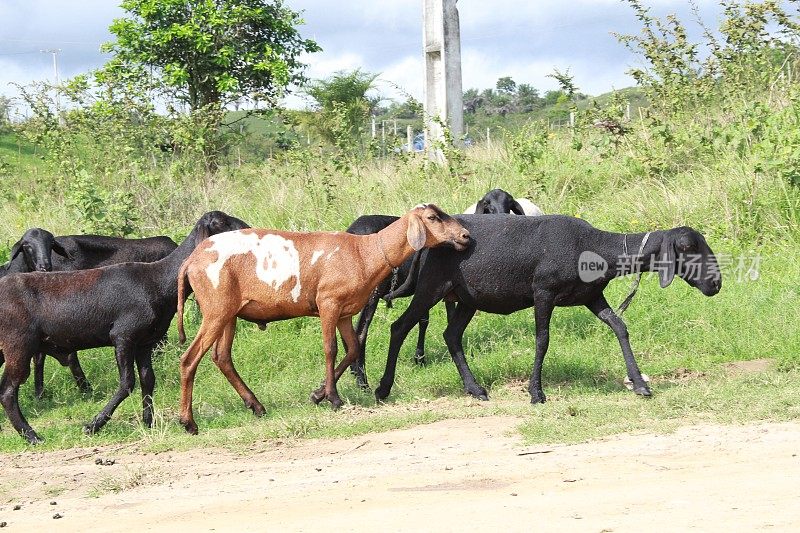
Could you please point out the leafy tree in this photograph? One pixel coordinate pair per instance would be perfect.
(506, 85)
(566, 81)
(344, 103)
(210, 52)
(409, 109)
(527, 98)
(551, 98)
(473, 101)
(206, 54)
(344, 88)
(508, 97)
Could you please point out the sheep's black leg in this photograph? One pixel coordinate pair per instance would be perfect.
(543, 310)
(419, 355)
(420, 305)
(77, 373)
(125, 357)
(358, 368)
(38, 375)
(456, 324)
(147, 379)
(604, 312)
(69, 360)
(17, 370)
(450, 308)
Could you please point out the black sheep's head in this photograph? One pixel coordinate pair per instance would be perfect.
(215, 222)
(36, 247)
(498, 201)
(685, 253)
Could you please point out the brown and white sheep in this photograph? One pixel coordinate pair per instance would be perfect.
(266, 275)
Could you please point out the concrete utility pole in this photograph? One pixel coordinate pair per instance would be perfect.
(55, 52)
(444, 97)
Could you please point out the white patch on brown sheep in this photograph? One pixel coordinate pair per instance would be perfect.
(316, 255)
(277, 259)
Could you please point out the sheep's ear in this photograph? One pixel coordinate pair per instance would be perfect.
(57, 248)
(516, 208)
(416, 233)
(203, 233)
(16, 249)
(667, 268)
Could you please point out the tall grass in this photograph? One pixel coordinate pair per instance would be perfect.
(673, 330)
(717, 150)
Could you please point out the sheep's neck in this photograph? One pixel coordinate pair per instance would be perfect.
(169, 266)
(385, 250)
(620, 260)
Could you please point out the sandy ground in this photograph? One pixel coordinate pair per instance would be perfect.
(451, 475)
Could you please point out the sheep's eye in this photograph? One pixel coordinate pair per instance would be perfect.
(432, 217)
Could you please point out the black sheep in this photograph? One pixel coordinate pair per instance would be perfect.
(544, 262)
(39, 251)
(128, 306)
(493, 202)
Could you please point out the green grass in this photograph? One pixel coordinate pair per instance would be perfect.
(675, 331)
(18, 153)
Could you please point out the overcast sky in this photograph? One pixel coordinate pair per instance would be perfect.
(521, 39)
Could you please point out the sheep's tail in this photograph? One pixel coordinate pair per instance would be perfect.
(182, 279)
(409, 284)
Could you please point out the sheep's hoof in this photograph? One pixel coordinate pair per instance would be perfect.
(628, 382)
(381, 393)
(32, 438)
(538, 397)
(361, 376)
(419, 358)
(318, 395)
(189, 426)
(257, 408)
(85, 388)
(91, 428)
(336, 402)
(643, 391)
(478, 392)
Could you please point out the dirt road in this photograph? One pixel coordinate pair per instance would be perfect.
(452, 475)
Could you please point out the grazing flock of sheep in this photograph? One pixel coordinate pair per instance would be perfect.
(59, 295)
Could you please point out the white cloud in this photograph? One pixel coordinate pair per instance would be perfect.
(402, 78)
(322, 65)
(11, 72)
(521, 39)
